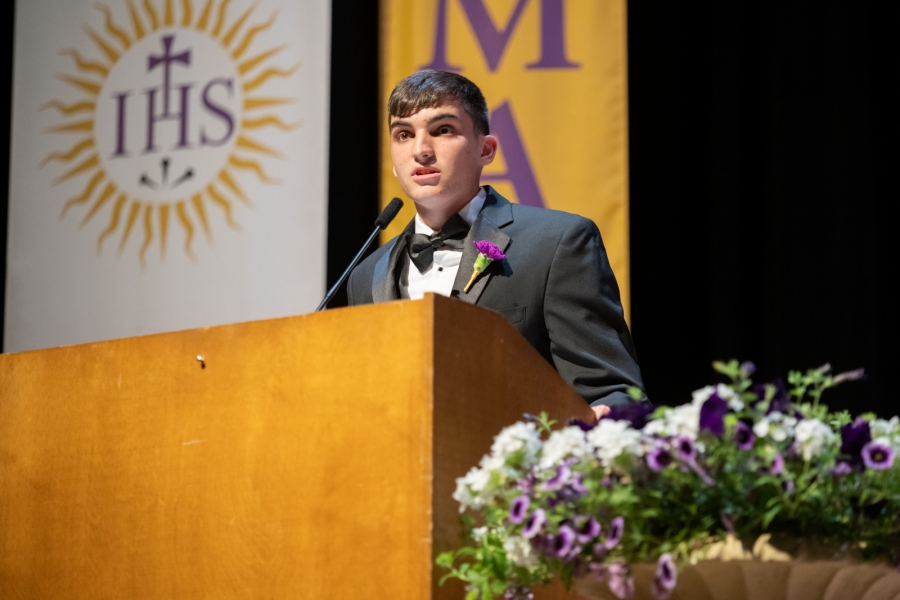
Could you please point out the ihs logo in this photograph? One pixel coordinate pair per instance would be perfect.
(166, 118)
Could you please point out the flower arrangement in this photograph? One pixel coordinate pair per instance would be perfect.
(741, 462)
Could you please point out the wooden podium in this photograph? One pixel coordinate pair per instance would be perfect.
(305, 457)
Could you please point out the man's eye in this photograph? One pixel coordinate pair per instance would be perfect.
(403, 136)
(445, 130)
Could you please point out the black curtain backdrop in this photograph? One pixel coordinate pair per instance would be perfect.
(353, 156)
(760, 199)
(759, 194)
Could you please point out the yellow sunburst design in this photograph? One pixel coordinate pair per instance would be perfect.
(130, 216)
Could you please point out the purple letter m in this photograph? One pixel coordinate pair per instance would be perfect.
(493, 41)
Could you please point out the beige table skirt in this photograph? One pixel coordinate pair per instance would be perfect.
(753, 580)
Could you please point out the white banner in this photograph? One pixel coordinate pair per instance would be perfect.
(168, 166)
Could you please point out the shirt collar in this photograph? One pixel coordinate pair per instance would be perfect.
(469, 212)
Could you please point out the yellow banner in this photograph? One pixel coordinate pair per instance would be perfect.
(554, 76)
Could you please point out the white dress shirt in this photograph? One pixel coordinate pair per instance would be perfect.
(440, 277)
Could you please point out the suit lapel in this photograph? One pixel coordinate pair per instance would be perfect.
(496, 213)
(384, 280)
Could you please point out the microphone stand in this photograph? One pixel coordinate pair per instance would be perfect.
(383, 220)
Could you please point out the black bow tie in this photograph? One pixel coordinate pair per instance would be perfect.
(421, 247)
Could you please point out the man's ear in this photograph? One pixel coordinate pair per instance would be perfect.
(488, 149)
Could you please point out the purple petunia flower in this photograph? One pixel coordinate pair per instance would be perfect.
(527, 483)
(743, 436)
(620, 581)
(788, 485)
(634, 412)
(540, 543)
(712, 415)
(780, 401)
(878, 456)
(489, 250)
(777, 465)
(534, 524)
(563, 472)
(841, 469)
(666, 571)
(587, 529)
(747, 369)
(666, 577)
(577, 486)
(685, 447)
(580, 424)
(854, 436)
(658, 459)
(562, 543)
(616, 531)
(519, 509)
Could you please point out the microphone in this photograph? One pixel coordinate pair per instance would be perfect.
(384, 219)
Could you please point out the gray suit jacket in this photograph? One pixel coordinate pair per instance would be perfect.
(555, 287)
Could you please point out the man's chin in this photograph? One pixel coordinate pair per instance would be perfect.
(426, 195)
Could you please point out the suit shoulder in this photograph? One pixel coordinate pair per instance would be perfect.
(549, 218)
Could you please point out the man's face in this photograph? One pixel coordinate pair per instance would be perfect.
(438, 158)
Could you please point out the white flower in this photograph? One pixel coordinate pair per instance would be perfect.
(612, 438)
(812, 437)
(515, 438)
(478, 533)
(520, 551)
(682, 420)
(703, 394)
(562, 443)
(471, 490)
(775, 425)
(887, 429)
(477, 479)
(493, 464)
(656, 427)
(465, 497)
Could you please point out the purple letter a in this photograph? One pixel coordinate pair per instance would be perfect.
(518, 168)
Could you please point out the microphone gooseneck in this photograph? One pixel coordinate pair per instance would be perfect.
(384, 219)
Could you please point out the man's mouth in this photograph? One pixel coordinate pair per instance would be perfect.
(423, 174)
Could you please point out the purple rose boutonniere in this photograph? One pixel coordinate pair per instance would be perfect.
(487, 253)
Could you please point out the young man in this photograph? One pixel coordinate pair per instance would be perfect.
(555, 285)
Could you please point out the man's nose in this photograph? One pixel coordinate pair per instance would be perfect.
(424, 151)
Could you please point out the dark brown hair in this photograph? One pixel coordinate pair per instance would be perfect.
(428, 88)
